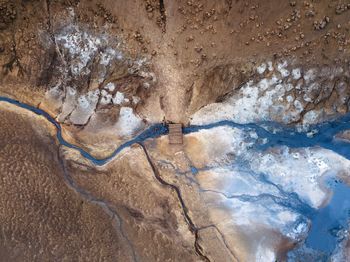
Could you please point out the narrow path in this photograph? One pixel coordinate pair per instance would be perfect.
(194, 230)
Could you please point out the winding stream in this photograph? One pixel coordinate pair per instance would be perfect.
(327, 222)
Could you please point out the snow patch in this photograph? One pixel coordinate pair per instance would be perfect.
(270, 66)
(86, 106)
(110, 87)
(296, 73)
(118, 98)
(135, 99)
(261, 69)
(309, 76)
(221, 143)
(106, 99)
(82, 47)
(270, 98)
(83, 102)
(234, 182)
(253, 103)
(271, 215)
(265, 255)
(300, 171)
(69, 103)
(281, 67)
(311, 117)
(128, 123)
(107, 56)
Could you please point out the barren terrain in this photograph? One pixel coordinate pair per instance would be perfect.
(107, 70)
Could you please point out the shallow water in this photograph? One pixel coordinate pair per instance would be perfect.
(286, 136)
(327, 223)
(151, 132)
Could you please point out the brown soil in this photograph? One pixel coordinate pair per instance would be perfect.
(151, 212)
(54, 206)
(42, 219)
(194, 46)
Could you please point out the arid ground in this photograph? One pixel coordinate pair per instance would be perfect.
(107, 70)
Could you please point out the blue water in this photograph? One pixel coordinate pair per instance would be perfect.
(330, 220)
(287, 136)
(151, 132)
(194, 170)
(326, 222)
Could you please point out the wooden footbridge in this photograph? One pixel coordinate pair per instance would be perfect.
(175, 134)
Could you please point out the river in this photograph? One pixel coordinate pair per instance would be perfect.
(327, 222)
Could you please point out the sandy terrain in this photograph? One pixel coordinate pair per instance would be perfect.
(41, 217)
(108, 69)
